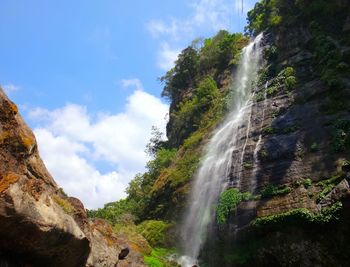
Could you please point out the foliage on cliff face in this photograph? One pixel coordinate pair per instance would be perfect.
(198, 101)
(155, 231)
(328, 38)
(199, 68)
(228, 202)
(277, 15)
(197, 88)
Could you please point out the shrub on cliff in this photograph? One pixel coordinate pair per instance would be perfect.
(154, 231)
(228, 202)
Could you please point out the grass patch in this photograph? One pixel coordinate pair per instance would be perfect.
(159, 257)
(328, 185)
(64, 204)
(307, 182)
(154, 231)
(273, 190)
(248, 165)
(300, 215)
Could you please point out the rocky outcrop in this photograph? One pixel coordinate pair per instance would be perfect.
(295, 160)
(40, 226)
(291, 138)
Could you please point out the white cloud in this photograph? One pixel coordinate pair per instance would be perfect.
(206, 16)
(74, 142)
(10, 88)
(209, 14)
(158, 28)
(71, 170)
(167, 56)
(136, 83)
(213, 13)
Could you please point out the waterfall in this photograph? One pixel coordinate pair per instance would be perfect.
(216, 167)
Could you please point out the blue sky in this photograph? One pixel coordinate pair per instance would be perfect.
(84, 75)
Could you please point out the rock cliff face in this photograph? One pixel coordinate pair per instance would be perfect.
(292, 140)
(40, 226)
(295, 160)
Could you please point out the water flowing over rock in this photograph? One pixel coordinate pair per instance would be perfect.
(40, 226)
(215, 170)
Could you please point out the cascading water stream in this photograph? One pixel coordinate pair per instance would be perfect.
(216, 167)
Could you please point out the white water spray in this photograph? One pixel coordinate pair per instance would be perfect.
(216, 167)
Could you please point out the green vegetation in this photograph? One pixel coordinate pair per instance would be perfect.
(193, 63)
(278, 15)
(263, 155)
(260, 96)
(271, 53)
(307, 182)
(64, 204)
(268, 130)
(228, 202)
(198, 91)
(248, 165)
(61, 192)
(243, 253)
(198, 102)
(328, 53)
(346, 163)
(286, 77)
(183, 75)
(127, 229)
(341, 136)
(328, 185)
(113, 211)
(273, 190)
(190, 112)
(159, 257)
(300, 215)
(154, 231)
(221, 51)
(261, 229)
(192, 85)
(314, 147)
(329, 61)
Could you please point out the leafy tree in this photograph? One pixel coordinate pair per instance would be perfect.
(156, 141)
(163, 159)
(190, 111)
(196, 106)
(219, 51)
(182, 76)
(154, 231)
(113, 211)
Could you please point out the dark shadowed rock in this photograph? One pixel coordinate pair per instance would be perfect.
(122, 255)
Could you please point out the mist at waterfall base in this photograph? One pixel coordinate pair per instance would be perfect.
(215, 172)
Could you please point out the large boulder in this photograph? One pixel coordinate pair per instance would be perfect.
(41, 226)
